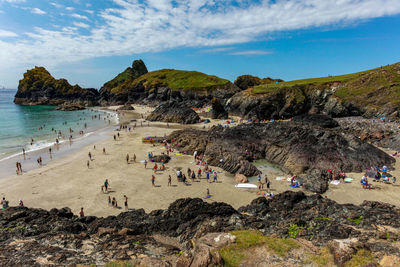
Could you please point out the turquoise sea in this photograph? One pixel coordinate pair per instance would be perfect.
(20, 124)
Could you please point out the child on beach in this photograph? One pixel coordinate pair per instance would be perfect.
(109, 201)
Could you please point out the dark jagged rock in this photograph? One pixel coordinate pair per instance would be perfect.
(38, 87)
(173, 111)
(296, 147)
(126, 107)
(218, 110)
(317, 120)
(381, 134)
(70, 107)
(38, 237)
(161, 158)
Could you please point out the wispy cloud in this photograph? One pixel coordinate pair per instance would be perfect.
(216, 50)
(133, 27)
(81, 25)
(250, 53)
(13, 1)
(78, 16)
(4, 33)
(57, 5)
(69, 8)
(38, 11)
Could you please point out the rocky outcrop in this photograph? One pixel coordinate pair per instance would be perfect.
(296, 147)
(218, 111)
(135, 85)
(316, 120)
(371, 93)
(70, 107)
(381, 134)
(126, 107)
(112, 91)
(192, 232)
(38, 87)
(173, 111)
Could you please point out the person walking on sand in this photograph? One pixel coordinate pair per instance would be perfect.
(145, 164)
(81, 214)
(208, 176)
(153, 180)
(23, 152)
(169, 180)
(134, 157)
(51, 156)
(126, 202)
(115, 137)
(215, 177)
(155, 168)
(199, 173)
(106, 184)
(104, 150)
(127, 158)
(267, 182)
(17, 165)
(90, 155)
(88, 164)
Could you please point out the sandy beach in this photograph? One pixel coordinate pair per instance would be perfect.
(68, 182)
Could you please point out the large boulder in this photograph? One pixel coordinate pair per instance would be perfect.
(218, 111)
(174, 111)
(126, 107)
(317, 120)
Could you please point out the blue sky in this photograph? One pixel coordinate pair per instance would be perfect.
(89, 42)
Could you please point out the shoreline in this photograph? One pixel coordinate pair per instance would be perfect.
(64, 148)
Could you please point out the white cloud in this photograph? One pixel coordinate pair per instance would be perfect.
(250, 53)
(37, 11)
(134, 27)
(69, 8)
(1, 12)
(216, 50)
(81, 25)
(75, 15)
(13, 1)
(89, 11)
(57, 5)
(4, 33)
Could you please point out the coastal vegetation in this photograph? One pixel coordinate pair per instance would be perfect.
(174, 79)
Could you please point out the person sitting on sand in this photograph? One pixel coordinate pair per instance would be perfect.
(113, 202)
(208, 193)
(4, 202)
(109, 201)
(21, 203)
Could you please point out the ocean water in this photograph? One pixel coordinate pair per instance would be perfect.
(20, 124)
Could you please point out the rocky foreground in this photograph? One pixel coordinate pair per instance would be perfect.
(291, 229)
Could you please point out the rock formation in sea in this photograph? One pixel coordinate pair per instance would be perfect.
(174, 111)
(38, 87)
(290, 227)
(295, 146)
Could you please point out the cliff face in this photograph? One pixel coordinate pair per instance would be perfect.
(370, 93)
(38, 87)
(194, 87)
